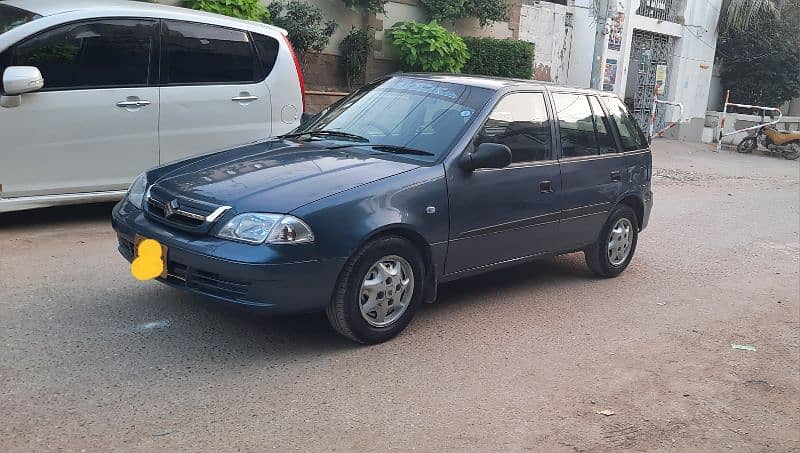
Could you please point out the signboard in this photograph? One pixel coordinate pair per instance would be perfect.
(661, 79)
(615, 33)
(609, 75)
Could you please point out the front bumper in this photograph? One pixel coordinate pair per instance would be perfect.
(282, 279)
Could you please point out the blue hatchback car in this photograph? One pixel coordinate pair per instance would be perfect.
(412, 180)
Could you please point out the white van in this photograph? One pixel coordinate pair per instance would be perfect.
(96, 91)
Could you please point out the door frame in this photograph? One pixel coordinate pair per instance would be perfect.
(466, 145)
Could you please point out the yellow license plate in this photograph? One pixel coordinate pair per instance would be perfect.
(162, 258)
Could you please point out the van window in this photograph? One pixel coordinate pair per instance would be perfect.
(206, 54)
(267, 48)
(629, 133)
(576, 125)
(95, 54)
(520, 122)
(604, 137)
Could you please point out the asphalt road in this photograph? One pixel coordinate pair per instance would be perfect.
(516, 360)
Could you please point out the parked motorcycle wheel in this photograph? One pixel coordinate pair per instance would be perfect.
(793, 151)
(748, 145)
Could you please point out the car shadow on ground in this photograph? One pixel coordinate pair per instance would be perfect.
(528, 276)
(206, 330)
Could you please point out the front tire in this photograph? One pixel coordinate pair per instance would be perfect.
(747, 145)
(793, 152)
(614, 249)
(379, 291)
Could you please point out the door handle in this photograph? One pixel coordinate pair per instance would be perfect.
(132, 104)
(244, 98)
(616, 176)
(546, 186)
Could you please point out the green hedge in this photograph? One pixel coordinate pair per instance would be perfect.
(499, 57)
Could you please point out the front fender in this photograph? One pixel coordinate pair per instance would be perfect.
(415, 201)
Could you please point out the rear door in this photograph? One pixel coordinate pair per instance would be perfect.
(499, 215)
(213, 92)
(592, 169)
(94, 125)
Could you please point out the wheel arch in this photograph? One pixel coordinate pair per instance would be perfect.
(637, 204)
(418, 240)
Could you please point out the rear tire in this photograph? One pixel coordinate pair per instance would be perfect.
(615, 246)
(747, 145)
(379, 290)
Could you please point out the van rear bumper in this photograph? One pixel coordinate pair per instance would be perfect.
(648, 206)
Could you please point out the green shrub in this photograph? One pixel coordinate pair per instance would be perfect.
(499, 57)
(486, 11)
(355, 49)
(243, 9)
(304, 23)
(428, 47)
(370, 6)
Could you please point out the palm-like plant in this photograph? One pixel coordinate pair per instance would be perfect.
(738, 15)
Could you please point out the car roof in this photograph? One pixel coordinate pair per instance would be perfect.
(498, 83)
(146, 9)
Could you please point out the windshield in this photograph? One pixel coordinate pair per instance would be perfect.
(11, 17)
(402, 115)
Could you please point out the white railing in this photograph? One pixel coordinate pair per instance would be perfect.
(763, 109)
(660, 133)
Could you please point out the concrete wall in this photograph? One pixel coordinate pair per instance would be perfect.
(322, 71)
(549, 27)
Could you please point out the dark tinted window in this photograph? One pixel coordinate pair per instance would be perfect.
(629, 133)
(267, 52)
(576, 125)
(11, 17)
(520, 122)
(96, 54)
(604, 137)
(198, 53)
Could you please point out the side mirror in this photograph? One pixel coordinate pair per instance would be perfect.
(488, 155)
(16, 81)
(21, 79)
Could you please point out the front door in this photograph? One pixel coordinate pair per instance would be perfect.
(94, 125)
(592, 170)
(213, 93)
(499, 215)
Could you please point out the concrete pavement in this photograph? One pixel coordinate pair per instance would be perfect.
(516, 360)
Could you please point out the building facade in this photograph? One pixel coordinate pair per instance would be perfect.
(669, 44)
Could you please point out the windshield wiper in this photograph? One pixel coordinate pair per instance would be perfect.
(396, 149)
(329, 133)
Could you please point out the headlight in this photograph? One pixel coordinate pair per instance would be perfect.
(256, 228)
(137, 190)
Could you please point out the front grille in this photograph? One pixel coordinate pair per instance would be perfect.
(193, 218)
(205, 282)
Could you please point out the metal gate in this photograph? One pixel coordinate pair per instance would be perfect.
(648, 52)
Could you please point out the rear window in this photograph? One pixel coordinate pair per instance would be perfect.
(631, 136)
(207, 54)
(267, 48)
(11, 17)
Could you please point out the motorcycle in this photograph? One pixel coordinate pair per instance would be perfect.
(786, 144)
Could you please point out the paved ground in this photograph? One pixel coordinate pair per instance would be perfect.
(521, 359)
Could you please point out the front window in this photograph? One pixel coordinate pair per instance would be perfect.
(93, 54)
(11, 17)
(415, 117)
(520, 122)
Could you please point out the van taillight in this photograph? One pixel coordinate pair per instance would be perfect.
(299, 70)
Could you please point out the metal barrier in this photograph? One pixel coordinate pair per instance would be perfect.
(736, 131)
(660, 133)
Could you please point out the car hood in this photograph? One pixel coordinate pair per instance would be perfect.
(275, 176)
